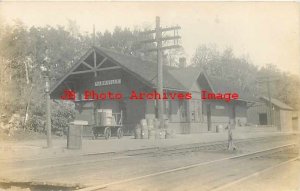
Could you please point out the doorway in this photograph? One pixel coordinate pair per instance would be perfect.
(183, 117)
(263, 119)
(208, 111)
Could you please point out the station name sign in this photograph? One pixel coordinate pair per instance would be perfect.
(108, 82)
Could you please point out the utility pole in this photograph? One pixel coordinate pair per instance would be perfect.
(159, 39)
(160, 90)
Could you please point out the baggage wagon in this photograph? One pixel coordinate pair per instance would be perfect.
(108, 124)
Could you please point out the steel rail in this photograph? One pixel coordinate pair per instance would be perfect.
(177, 149)
(93, 188)
(190, 145)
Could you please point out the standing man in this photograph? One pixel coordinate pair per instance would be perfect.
(230, 127)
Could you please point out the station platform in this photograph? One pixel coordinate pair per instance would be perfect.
(36, 149)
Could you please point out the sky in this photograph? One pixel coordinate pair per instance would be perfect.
(265, 32)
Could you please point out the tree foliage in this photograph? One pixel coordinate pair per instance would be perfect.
(23, 53)
(243, 73)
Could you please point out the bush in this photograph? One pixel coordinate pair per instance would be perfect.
(62, 114)
(36, 123)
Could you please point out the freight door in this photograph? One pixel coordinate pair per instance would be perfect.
(263, 119)
(183, 116)
(208, 109)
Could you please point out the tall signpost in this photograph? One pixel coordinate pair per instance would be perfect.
(159, 39)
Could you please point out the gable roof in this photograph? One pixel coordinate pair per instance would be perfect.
(174, 78)
(144, 68)
(186, 76)
(277, 103)
(222, 85)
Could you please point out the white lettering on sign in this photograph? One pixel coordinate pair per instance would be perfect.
(108, 82)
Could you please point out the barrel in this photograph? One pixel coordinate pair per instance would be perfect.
(163, 134)
(144, 129)
(156, 124)
(157, 134)
(138, 132)
(150, 122)
(102, 116)
(145, 133)
(143, 122)
(169, 133)
(106, 117)
(160, 134)
(219, 128)
(151, 134)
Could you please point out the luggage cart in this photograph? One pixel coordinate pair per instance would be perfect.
(108, 124)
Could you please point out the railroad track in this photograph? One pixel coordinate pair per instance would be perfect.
(200, 147)
(203, 146)
(96, 159)
(275, 153)
(147, 152)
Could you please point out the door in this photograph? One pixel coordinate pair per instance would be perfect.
(263, 119)
(208, 109)
(183, 111)
(123, 109)
(183, 116)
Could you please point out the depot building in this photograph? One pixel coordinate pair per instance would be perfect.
(103, 70)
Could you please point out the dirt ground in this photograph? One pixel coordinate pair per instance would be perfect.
(286, 177)
(21, 135)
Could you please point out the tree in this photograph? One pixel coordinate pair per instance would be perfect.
(240, 71)
(244, 74)
(283, 86)
(204, 56)
(22, 53)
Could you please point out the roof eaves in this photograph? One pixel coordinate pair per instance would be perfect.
(209, 83)
(281, 105)
(77, 63)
